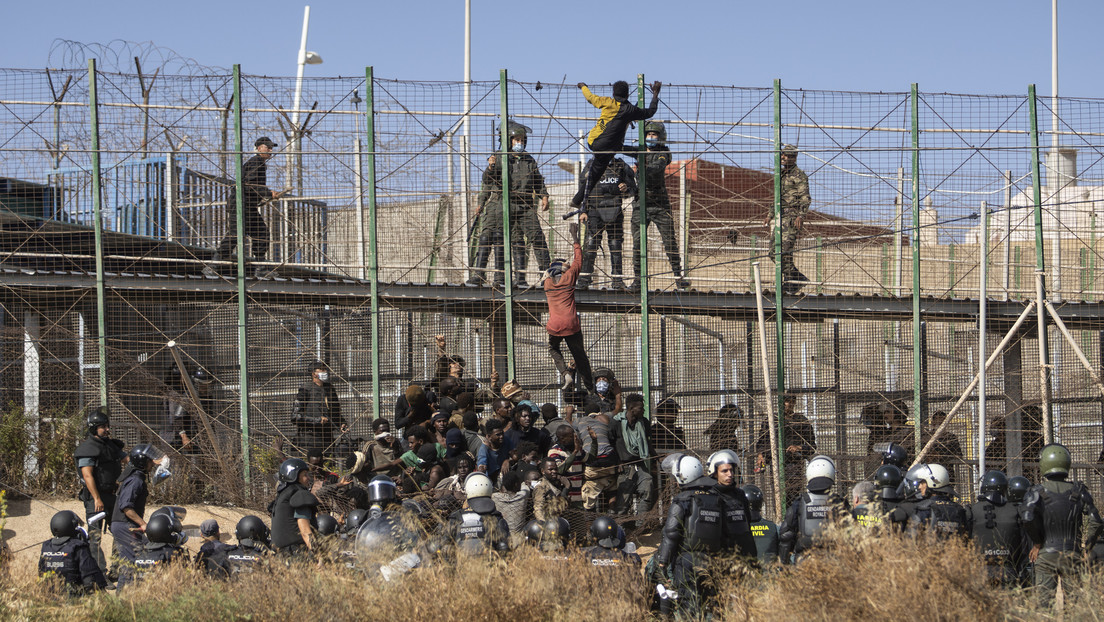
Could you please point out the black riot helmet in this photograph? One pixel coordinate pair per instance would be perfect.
(164, 529)
(97, 418)
(381, 490)
(607, 533)
(142, 455)
(888, 476)
(354, 519)
(896, 455)
(327, 525)
(1017, 488)
(290, 469)
(65, 524)
(534, 532)
(251, 528)
(994, 487)
(754, 496)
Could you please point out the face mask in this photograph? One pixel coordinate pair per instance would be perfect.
(518, 147)
(533, 483)
(602, 386)
(323, 376)
(651, 142)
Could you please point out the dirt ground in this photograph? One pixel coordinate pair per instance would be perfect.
(28, 526)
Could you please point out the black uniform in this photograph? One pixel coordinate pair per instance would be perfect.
(105, 456)
(71, 559)
(658, 206)
(700, 523)
(605, 216)
(152, 555)
(246, 556)
(766, 535)
(312, 403)
(476, 532)
(998, 534)
(133, 492)
(805, 519)
(292, 503)
(612, 558)
(211, 559)
(939, 515)
(256, 192)
(1056, 515)
(527, 188)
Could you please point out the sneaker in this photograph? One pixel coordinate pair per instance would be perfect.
(568, 381)
(682, 283)
(618, 284)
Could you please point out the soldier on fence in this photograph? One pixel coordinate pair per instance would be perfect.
(657, 203)
(255, 192)
(795, 202)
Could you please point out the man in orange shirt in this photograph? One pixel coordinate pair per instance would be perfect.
(563, 320)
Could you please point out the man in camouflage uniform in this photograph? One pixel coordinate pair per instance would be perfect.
(527, 191)
(795, 201)
(658, 205)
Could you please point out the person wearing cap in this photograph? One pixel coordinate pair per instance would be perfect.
(211, 557)
(937, 512)
(317, 412)
(255, 193)
(439, 427)
(563, 319)
(795, 202)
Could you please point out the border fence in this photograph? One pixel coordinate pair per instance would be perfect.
(943, 229)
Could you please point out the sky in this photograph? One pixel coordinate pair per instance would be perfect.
(980, 47)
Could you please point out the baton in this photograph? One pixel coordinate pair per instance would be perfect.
(573, 213)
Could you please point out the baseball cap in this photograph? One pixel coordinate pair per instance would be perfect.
(264, 140)
(209, 527)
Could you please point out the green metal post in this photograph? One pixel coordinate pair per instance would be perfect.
(97, 209)
(819, 265)
(642, 275)
(780, 337)
(507, 234)
(373, 248)
(917, 353)
(952, 275)
(243, 352)
(1040, 264)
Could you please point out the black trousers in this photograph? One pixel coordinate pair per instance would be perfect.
(578, 352)
(255, 228)
(602, 159)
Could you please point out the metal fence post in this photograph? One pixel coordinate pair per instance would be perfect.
(642, 276)
(243, 352)
(373, 249)
(1040, 266)
(917, 353)
(97, 206)
(507, 234)
(780, 345)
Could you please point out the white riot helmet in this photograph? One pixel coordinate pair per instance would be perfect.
(478, 485)
(686, 469)
(936, 476)
(724, 456)
(820, 473)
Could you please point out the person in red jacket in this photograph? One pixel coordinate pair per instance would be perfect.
(563, 320)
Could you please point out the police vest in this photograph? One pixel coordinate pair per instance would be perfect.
(244, 559)
(59, 556)
(943, 517)
(996, 531)
(471, 533)
(868, 515)
(1062, 515)
(606, 194)
(765, 533)
(151, 556)
(705, 522)
(108, 454)
(813, 514)
(285, 529)
(611, 558)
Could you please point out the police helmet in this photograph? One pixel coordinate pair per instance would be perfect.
(1017, 488)
(290, 469)
(911, 484)
(994, 487)
(896, 455)
(327, 525)
(658, 128)
(724, 456)
(686, 469)
(202, 377)
(534, 532)
(251, 527)
(97, 418)
(381, 490)
(888, 476)
(789, 150)
(1054, 459)
(607, 533)
(163, 529)
(936, 476)
(142, 455)
(754, 496)
(65, 524)
(820, 473)
(478, 485)
(354, 519)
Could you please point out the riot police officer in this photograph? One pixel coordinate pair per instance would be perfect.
(549, 536)
(812, 511)
(294, 509)
(388, 534)
(1057, 514)
(937, 513)
(127, 521)
(67, 556)
(166, 545)
(885, 509)
(252, 548)
(610, 550)
(477, 527)
(605, 217)
(697, 527)
(995, 527)
(723, 466)
(763, 530)
(99, 463)
(1017, 487)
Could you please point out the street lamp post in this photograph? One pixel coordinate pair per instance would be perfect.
(305, 58)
